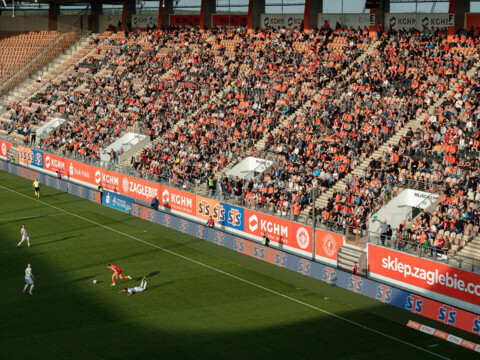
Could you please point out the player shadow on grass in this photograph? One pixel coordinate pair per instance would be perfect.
(152, 274)
(151, 287)
(62, 239)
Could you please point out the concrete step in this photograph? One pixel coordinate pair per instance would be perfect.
(471, 250)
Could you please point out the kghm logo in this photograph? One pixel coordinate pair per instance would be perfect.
(98, 176)
(414, 304)
(125, 185)
(447, 315)
(303, 239)
(4, 149)
(253, 223)
(266, 21)
(47, 162)
(329, 245)
(384, 294)
(165, 196)
(290, 21)
(425, 22)
(393, 22)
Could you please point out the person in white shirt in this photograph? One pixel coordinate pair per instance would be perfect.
(24, 233)
(136, 289)
(28, 279)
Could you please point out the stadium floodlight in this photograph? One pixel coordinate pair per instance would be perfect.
(163, 3)
(4, 3)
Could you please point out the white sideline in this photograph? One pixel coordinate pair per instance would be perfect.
(233, 276)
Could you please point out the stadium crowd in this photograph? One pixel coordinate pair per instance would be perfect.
(205, 99)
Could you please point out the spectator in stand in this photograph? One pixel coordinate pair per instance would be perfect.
(383, 229)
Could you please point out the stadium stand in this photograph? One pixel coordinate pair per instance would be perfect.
(358, 120)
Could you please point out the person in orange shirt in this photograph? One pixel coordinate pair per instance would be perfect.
(296, 211)
(117, 273)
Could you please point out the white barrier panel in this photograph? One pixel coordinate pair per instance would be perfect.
(289, 21)
(419, 21)
(142, 21)
(348, 20)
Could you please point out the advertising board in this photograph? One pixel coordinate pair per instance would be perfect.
(184, 20)
(4, 147)
(424, 276)
(143, 21)
(229, 20)
(288, 234)
(348, 20)
(420, 21)
(117, 201)
(409, 301)
(289, 21)
(327, 245)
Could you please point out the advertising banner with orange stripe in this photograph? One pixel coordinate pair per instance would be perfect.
(286, 233)
(327, 245)
(207, 207)
(4, 147)
(427, 277)
(178, 200)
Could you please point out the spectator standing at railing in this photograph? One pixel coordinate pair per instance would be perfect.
(210, 222)
(355, 269)
(100, 190)
(154, 203)
(296, 211)
(265, 240)
(383, 229)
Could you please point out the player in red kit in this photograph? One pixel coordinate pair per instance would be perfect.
(117, 273)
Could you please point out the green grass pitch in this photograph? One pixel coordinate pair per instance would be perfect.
(189, 311)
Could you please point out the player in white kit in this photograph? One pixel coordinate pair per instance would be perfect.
(24, 233)
(28, 279)
(136, 289)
